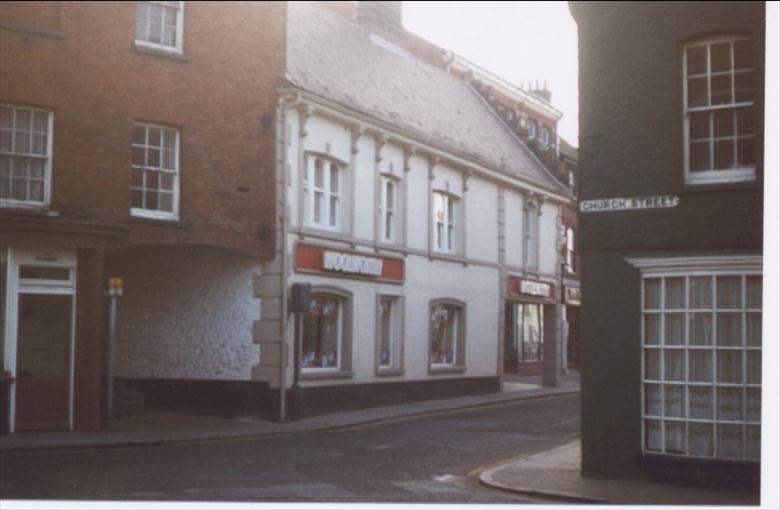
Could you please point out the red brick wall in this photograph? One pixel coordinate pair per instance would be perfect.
(97, 83)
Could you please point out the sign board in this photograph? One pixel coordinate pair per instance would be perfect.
(629, 204)
(310, 258)
(114, 286)
(572, 295)
(526, 287)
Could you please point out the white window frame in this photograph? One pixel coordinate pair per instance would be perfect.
(531, 129)
(664, 269)
(458, 336)
(531, 236)
(445, 230)
(178, 47)
(141, 212)
(544, 137)
(343, 367)
(48, 157)
(310, 191)
(388, 215)
(737, 174)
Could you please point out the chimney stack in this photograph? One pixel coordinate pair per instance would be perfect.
(381, 17)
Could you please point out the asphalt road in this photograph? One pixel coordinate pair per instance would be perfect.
(434, 459)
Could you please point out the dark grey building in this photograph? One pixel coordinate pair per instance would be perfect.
(670, 216)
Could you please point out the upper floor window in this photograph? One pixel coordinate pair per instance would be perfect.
(718, 111)
(387, 208)
(444, 222)
(531, 236)
(570, 252)
(322, 193)
(531, 129)
(545, 136)
(25, 156)
(159, 25)
(155, 179)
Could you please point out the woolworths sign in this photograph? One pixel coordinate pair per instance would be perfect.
(347, 263)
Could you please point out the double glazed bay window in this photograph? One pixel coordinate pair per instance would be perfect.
(25, 156)
(718, 103)
(322, 193)
(447, 335)
(155, 172)
(702, 365)
(159, 25)
(444, 222)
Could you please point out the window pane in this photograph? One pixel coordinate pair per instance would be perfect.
(700, 439)
(153, 180)
(653, 399)
(753, 404)
(166, 202)
(724, 155)
(745, 121)
(334, 179)
(700, 402)
(720, 57)
(6, 140)
(729, 329)
(743, 83)
(153, 157)
(745, 152)
(753, 291)
(697, 92)
(139, 156)
(334, 211)
(443, 324)
(721, 89)
(753, 445)
(6, 117)
(389, 195)
(321, 334)
(753, 327)
(730, 441)
(674, 365)
(729, 292)
(723, 122)
(39, 144)
(652, 329)
(675, 437)
(753, 367)
(36, 191)
(653, 364)
(696, 59)
(675, 329)
(37, 168)
(450, 238)
(23, 119)
(318, 207)
(22, 142)
(700, 292)
(729, 366)
(700, 365)
(742, 55)
(388, 226)
(141, 15)
(729, 404)
(450, 210)
(653, 435)
(675, 293)
(137, 198)
(318, 173)
(151, 198)
(385, 339)
(700, 156)
(699, 125)
(155, 136)
(169, 35)
(652, 294)
(169, 159)
(166, 181)
(674, 401)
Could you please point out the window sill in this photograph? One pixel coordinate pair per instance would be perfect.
(385, 372)
(446, 370)
(162, 222)
(325, 374)
(37, 209)
(160, 52)
(711, 177)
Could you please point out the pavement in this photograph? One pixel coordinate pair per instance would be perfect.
(553, 474)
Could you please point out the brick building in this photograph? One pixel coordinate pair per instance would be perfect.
(137, 141)
(671, 205)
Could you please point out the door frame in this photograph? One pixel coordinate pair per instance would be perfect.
(50, 258)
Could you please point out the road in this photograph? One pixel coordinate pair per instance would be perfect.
(433, 459)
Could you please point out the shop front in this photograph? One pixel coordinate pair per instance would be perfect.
(528, 303)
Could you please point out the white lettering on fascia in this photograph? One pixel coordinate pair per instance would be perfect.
(534, 288)
(346, 263)
(623, 204)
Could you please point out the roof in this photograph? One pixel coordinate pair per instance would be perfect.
(334, 58)
(568, 150)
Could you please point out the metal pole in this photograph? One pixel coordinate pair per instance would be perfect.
(108, 362)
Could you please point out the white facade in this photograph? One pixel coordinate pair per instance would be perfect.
(468, 273)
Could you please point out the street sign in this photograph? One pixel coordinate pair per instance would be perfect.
(628, 204)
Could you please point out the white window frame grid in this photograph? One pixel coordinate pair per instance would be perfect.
(444, 240)
(47, 158)
(310, 191)
(342, 302)
(736, 174)
(531, 236)
(142, 212)
(388, 216)
(661, 348)
(178, 47)
(454, 335)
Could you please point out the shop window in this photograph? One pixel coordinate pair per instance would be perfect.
(527, 333)
(719, 100)
(448, 334)
(389, 345)
(159, 25)
(322, 193)
(444, 224)
(701, 369)
(25, 156)
(326, 333)
(155, 172)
